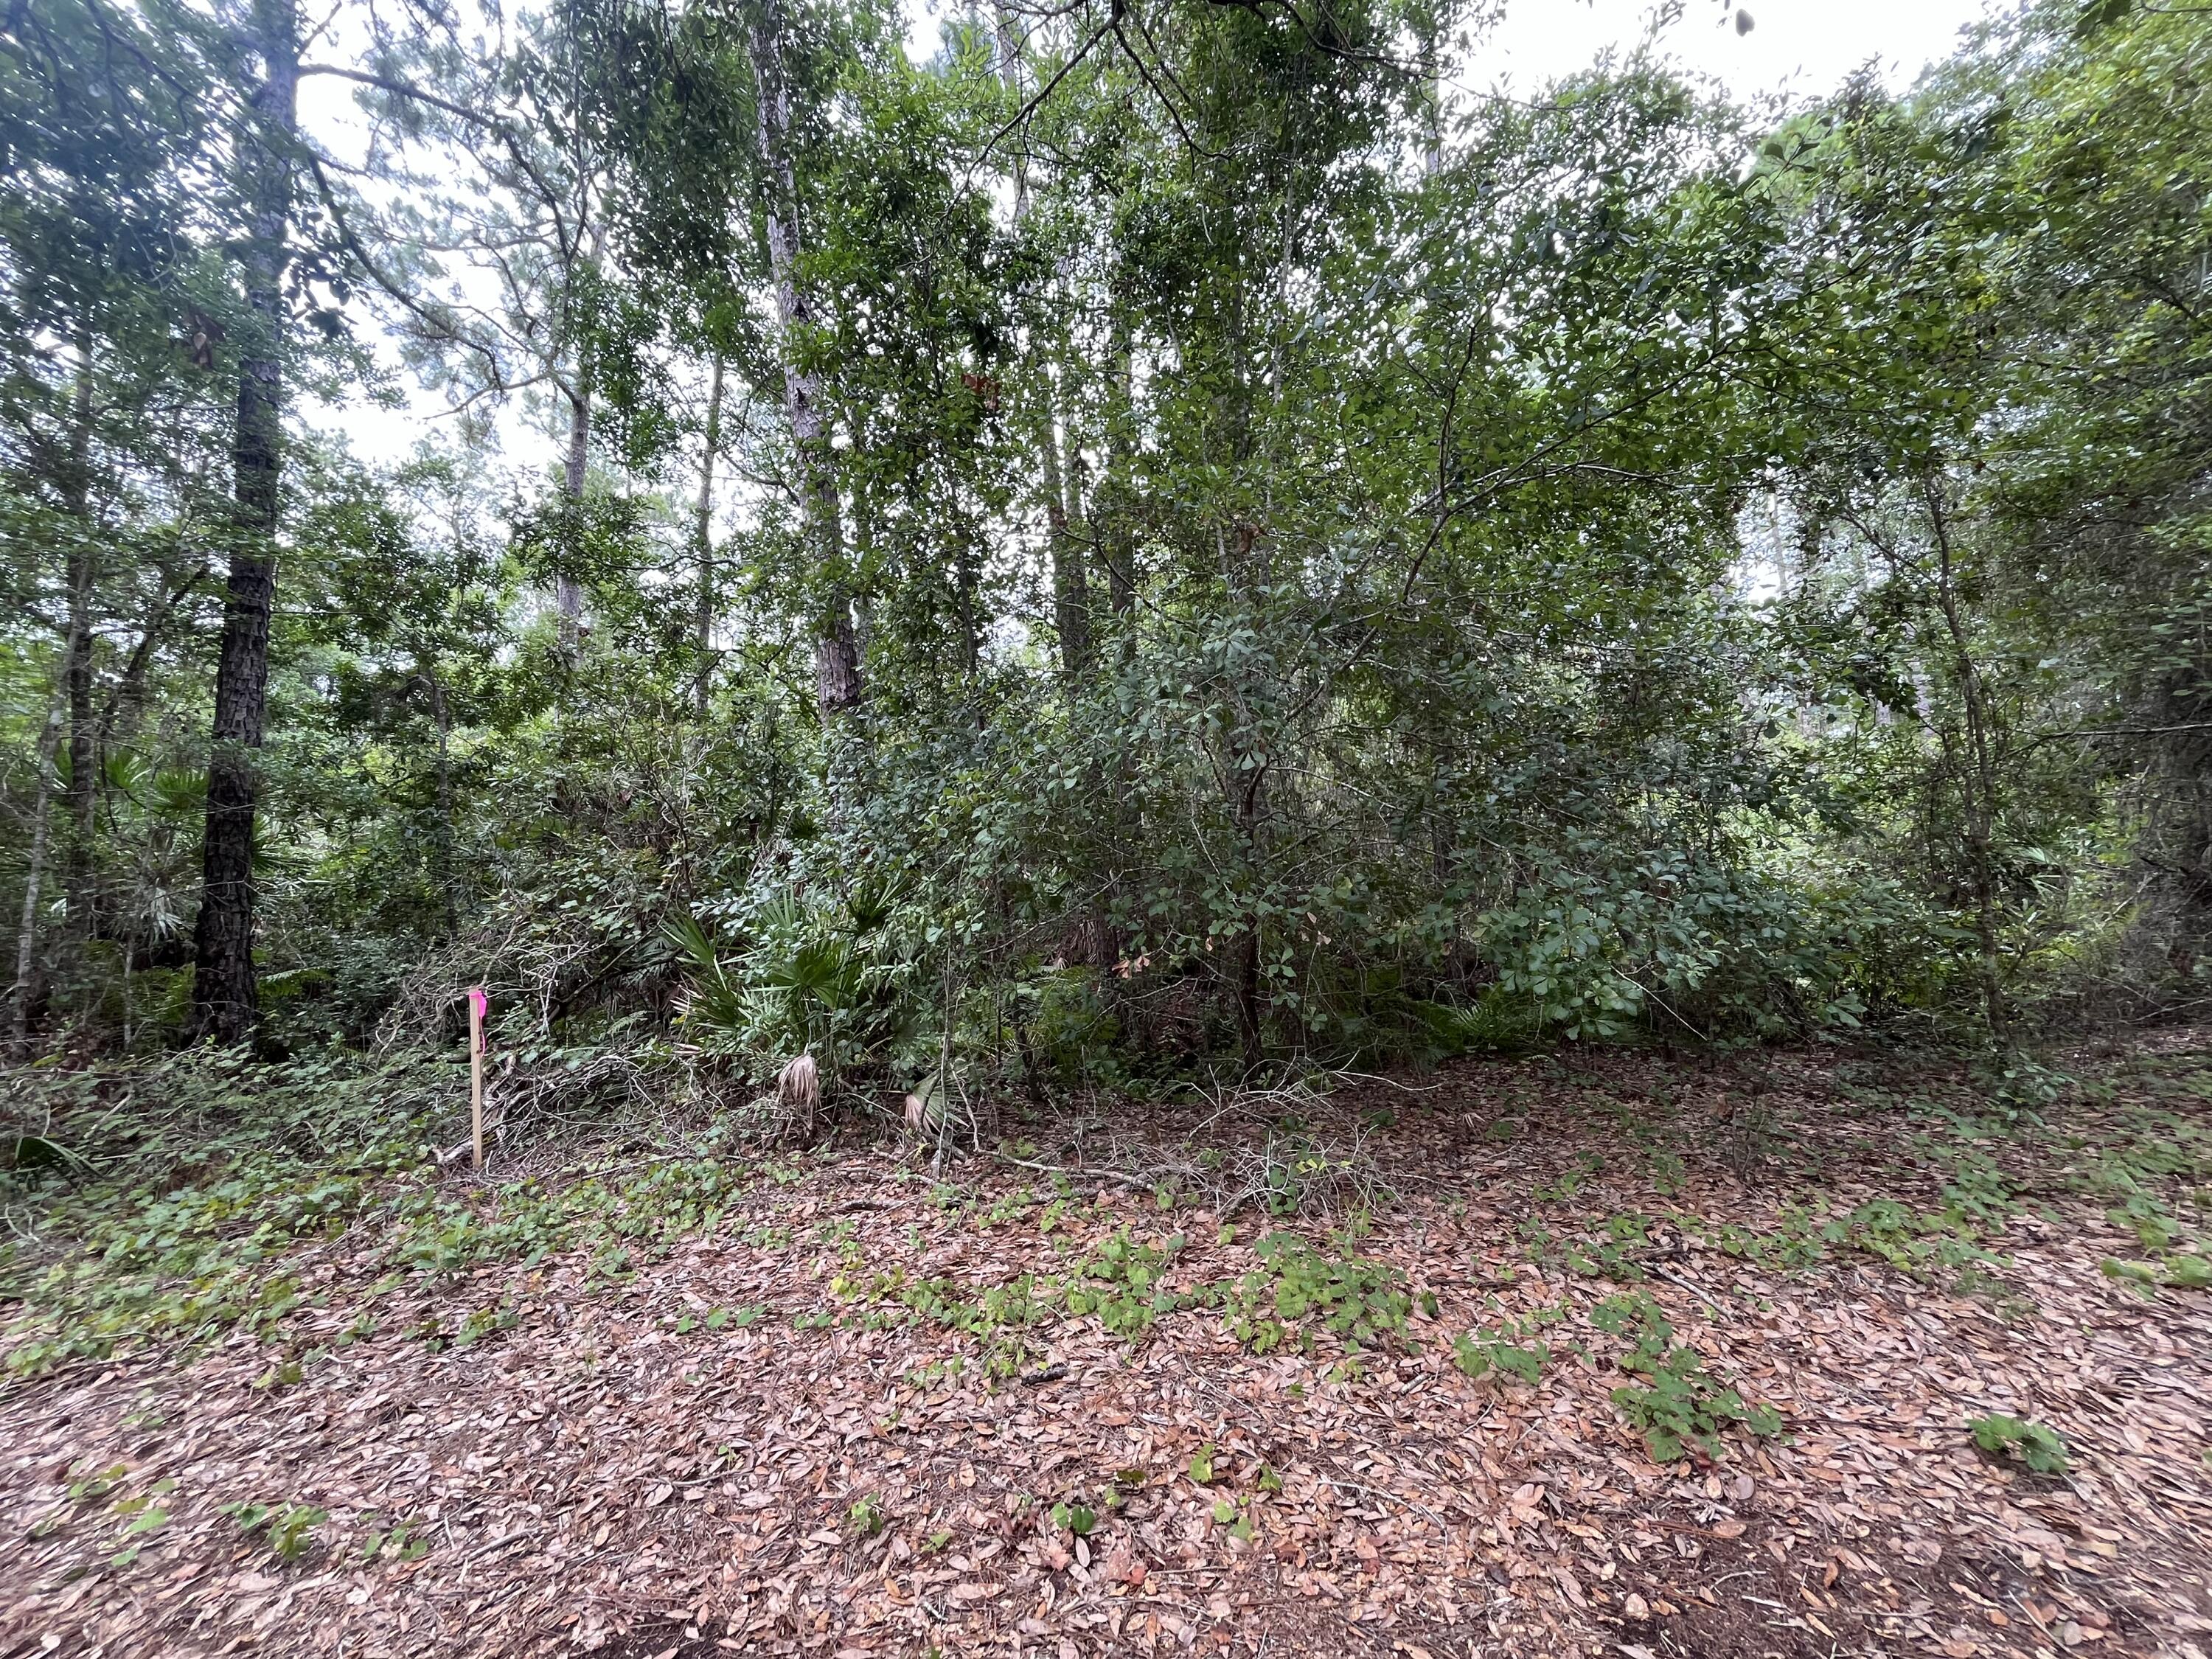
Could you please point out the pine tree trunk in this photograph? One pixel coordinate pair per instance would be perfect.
(225, 995)
(837, 681)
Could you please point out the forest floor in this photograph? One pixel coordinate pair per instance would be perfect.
(851, 1409)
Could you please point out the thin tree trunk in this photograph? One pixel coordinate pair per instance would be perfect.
(27, 936)
(1241, 554)
(1117, 508)
(1977, 776)
(702, 541)
(837, 679)
(966, 580)
(1114, 515)
(130, 687)
(84, 765)
(1010, 75)
(865, 542)
(443, 715)
(567, 592)
(1432, 100)
(1248, 803)
(225, 994)
(1070, 582)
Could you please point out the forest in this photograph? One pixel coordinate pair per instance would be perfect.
(1432, 860)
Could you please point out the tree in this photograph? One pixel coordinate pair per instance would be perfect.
(225, 992)
(838, 681)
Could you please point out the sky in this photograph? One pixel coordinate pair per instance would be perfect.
(1798, 48)
(1802, 47)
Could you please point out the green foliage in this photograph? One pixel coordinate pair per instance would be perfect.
(1501, 1352)
(144, 1515)
(223, 1168)
(1120, 1280)
(866, 1516)
(2040, 1448)
(1677, 1408)
(1362, 1301)
(287, 1529)
(833, 980)
(227, 1167)
(400, 1542)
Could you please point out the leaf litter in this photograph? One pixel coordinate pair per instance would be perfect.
(1039, 1409)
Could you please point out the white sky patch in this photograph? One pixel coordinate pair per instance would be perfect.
(1801, 48)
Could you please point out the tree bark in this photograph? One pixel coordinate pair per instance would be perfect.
(702, 541)
(1010, 75)
(225, 994)
(1432, 103)
(837, 680)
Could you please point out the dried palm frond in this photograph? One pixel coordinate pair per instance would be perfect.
(798, 1087)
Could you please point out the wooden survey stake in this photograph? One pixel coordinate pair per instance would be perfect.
(478, 1002)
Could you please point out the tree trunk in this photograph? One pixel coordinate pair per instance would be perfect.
(702, 540)
(1010, 75)
(84, 765)
(27, 936)
(128, 695)
(1977, 776)
(1114, 515)
(1432, 103)
(1071, 585)
(1071, 599)
(83, 753)
(567, 592)
(225, 996)
(443, 715)
(837, 680)
(1117, 506)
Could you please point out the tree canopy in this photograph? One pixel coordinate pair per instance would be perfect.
(1163, 533)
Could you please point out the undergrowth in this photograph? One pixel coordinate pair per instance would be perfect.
(174, 1200)
(179, 1198)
